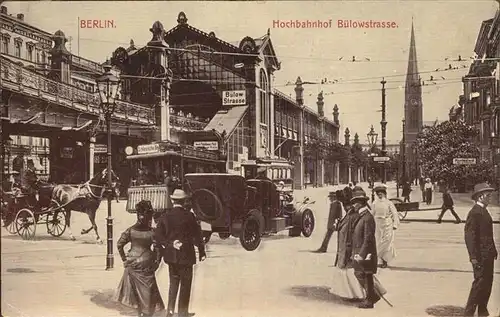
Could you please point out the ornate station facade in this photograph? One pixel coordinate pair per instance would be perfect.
(220, 96)
(213, 98)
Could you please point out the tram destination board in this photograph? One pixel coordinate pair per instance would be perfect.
(200, 154)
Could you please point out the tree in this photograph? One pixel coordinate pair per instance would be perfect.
(338, 152)
(438, 145)
(316, 147)
(358, 156)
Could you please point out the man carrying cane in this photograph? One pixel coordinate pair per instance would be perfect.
(364, 248)
(334, 216)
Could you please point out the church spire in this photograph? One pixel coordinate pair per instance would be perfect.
(412, 77)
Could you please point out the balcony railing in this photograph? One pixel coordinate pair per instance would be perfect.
(177, 122)
(15, 77)
(82, 62)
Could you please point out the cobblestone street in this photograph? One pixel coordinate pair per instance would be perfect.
(431, 274)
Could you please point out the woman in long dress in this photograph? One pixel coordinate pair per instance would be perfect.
(345, 284)
(387, 220)
(138, 288)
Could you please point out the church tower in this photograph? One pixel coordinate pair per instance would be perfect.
(413, 109)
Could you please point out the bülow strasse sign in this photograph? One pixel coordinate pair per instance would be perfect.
(234, 98)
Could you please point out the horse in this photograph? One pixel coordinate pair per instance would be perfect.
(84, 198)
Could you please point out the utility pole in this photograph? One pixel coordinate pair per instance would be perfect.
(403, 153)
(383, 125)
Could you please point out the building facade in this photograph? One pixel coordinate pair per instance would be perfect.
(205, 85)
(50, 108)
(30, 46)
(480, 103)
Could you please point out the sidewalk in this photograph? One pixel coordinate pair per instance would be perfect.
(427, 213)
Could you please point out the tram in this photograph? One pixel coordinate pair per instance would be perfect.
(277, 170)
(152, 163)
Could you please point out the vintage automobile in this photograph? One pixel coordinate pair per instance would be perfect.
(245, 209)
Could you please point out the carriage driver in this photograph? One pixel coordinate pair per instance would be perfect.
(29, 181)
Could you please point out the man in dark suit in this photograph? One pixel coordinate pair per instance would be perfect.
(364, 248)
(334, 216)
(178, 232)
(448, 205)
(482, 250)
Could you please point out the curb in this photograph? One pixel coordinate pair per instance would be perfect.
(435, 221)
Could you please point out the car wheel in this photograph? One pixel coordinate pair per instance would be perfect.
(250, 234)
(224, 235)
(307, 223)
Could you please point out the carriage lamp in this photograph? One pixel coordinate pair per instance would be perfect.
(107, 87)
(372, 141)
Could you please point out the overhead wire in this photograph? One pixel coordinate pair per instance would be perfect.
(339, 59)
(197, 51)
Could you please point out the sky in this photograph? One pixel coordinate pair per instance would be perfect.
(443, 31)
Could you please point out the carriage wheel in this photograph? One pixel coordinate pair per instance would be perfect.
(25, 224)
(11, 226)
(57, 225)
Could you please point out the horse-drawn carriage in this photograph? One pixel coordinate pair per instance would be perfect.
(22, 212)
(52, 205)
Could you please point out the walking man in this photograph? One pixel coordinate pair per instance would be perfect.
(334, 216)
(406, 191)
(482, 250)
(448, 205)
(364, 248)
(178, 233)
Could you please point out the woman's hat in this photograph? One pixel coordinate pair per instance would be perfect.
(481, 188)
(380, 188)
(332, 194)
(178, 194)
(144, 206)
(358, 194)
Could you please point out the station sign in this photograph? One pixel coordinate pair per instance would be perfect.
(148, 148)
(381, 158)
(100, 148)
(234, 98)
(464, 161)
(209, 145)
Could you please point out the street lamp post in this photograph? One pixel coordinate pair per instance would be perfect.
(107, 86)
(397, 174)
(383, 125)
(372, 141)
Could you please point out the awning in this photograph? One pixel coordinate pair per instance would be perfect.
(227, 120)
